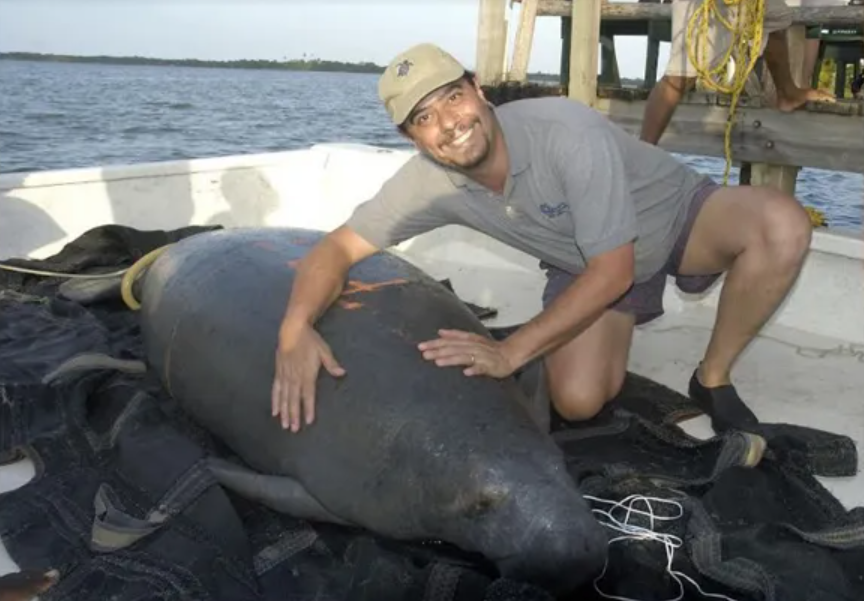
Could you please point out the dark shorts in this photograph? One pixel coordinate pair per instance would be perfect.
(645, 300)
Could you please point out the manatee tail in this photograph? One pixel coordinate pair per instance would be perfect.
(280, 493)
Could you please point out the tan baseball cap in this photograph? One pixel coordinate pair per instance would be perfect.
(412, 75)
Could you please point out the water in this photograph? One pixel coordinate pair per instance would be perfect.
(63, 115)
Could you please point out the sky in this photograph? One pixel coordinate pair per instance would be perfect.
(343, 30)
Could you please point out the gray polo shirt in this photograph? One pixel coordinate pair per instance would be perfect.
(578, 186)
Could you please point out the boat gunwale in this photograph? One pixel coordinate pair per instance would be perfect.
(831, 241)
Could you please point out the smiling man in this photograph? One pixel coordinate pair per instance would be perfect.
(608, 216)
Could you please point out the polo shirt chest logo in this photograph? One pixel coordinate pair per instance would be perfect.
(560, 209)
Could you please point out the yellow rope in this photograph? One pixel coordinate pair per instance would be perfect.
(132, 274)
(744, 50)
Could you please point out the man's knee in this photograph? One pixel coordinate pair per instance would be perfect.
(786, 229)
(581, 400)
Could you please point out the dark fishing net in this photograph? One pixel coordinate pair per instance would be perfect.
(125, 507)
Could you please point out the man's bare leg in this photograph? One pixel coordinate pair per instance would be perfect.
(662, 102)
(588, 371)
(760, 236)
(789, 95)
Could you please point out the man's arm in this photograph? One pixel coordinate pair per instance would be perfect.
(607, 277)
(397, 212)
(604, 225)
(321, 276)
(301, 351)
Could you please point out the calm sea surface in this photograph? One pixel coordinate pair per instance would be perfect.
(57, 115)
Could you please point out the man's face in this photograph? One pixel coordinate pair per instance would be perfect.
(453, 125)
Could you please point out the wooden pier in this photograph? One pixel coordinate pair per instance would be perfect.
(771, 146)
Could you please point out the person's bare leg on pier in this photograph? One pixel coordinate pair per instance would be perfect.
(789, 95)
(680, 75)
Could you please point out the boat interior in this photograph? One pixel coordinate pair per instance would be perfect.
(806, 367)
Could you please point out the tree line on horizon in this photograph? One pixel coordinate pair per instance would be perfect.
(826, 78)
(303, 64)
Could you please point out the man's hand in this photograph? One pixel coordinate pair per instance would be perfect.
(301, 353)
(481, 355)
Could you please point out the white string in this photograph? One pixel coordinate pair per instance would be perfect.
(634, 532)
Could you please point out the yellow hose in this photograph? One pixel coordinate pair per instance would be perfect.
(744, 50)
(132, 274)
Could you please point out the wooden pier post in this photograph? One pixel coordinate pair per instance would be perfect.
(524, 41)
(585, 40)
(652, 55)
(491, 41)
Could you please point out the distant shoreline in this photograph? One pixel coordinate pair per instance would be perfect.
(311, 65)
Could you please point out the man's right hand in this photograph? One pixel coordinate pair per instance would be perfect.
(302, 351)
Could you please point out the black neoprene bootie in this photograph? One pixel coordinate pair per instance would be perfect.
(723, 405)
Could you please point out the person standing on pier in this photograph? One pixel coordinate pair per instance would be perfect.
(681, 75)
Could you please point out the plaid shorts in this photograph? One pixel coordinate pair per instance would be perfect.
(645, 300)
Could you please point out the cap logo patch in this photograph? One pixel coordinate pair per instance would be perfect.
(403, 68)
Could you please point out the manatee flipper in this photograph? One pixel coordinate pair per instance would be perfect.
(280, 493)
(533, 381)
(91, 290)
(92, 361)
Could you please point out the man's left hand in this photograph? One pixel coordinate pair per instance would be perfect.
(481, 355)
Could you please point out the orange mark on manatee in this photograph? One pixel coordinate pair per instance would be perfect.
(293, 263)
(355, 286)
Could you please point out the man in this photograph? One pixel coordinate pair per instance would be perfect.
(680, 76)
(608, 215)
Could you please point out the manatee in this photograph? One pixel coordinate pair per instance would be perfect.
(400, 447)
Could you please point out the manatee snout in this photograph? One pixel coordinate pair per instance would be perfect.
(558, 550)
(537, 530)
